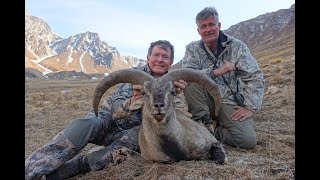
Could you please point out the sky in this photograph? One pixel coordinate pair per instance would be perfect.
(131, 25)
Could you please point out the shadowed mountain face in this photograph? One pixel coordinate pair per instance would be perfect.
(268, 36)
(265, 28)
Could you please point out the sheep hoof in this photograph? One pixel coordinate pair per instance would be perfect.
(218, 154)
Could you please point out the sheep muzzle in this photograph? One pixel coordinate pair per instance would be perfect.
(159, 117)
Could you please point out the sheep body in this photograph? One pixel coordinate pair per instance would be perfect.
(167, 134)
(174, 137)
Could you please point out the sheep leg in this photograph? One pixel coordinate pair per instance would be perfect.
(217, 153)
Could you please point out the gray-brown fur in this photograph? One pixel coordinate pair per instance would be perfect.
(166, 133)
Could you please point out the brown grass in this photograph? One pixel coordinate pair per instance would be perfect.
(51, 105)
(276, 61)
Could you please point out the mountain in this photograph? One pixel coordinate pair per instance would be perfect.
(38, 35)
(271, 32)
(268, 36)
(46, 52)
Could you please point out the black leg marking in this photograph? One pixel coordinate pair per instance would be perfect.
(217, 153)
(171, 148)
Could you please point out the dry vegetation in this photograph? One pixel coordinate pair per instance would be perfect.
(51, 105)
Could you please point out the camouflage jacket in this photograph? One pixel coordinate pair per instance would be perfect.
(249, 75)
(118, 104)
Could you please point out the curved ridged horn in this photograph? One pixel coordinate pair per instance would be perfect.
(132, 76)
(192, 75)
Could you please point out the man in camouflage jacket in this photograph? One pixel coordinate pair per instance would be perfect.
(116, 128)
(229, 63)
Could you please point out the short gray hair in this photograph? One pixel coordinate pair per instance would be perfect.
(164, 44)
(206, 12)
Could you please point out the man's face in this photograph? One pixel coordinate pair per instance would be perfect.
(159, 60)
(208, 29)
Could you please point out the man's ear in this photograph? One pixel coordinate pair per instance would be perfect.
(148, 57)
(219, 24)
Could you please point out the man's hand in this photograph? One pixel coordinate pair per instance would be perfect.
(241, 113)
(136, 94)
(180, 85)
(225, 68)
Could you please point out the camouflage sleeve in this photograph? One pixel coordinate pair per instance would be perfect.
(197, 60)
(251, 77)
(120, 101)
(189, 60)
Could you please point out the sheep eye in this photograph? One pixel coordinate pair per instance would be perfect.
(143, 92)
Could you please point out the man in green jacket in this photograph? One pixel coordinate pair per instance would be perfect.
(229, 63)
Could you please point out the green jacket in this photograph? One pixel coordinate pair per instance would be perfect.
(251, 81)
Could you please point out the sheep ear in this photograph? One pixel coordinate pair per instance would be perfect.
(137, 104)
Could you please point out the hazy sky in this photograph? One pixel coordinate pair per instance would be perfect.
(131, 25)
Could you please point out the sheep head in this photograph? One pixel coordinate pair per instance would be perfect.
(158, 98)
(158, 92)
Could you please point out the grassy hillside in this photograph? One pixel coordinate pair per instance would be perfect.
(52, 104)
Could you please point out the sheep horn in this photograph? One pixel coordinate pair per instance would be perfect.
(192, 75)
(133, 76)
